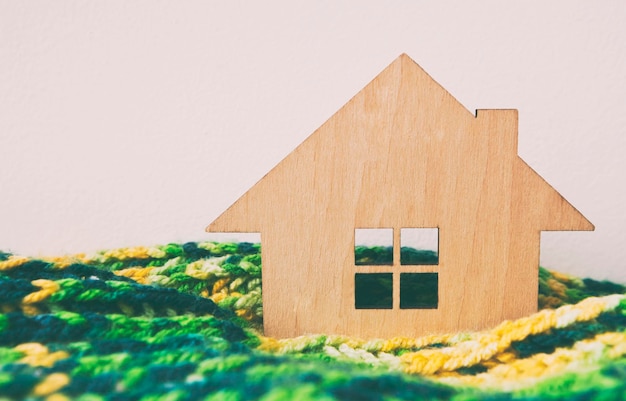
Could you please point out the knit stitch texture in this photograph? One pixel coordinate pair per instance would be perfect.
(184, 322)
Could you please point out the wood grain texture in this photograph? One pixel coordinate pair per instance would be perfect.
(403, 153)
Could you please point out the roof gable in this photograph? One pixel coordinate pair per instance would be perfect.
(545, 205)
(390, 122)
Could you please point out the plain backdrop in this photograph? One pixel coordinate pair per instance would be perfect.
(129, 123)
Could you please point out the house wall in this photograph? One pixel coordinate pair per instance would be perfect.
(402, 153)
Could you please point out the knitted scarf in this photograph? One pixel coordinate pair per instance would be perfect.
(184, 322)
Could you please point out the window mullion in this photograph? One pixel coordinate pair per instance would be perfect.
(396, 268)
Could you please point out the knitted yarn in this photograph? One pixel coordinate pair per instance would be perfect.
(184, 322)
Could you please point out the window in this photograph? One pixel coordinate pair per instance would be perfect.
(373, 291)
(373, 246)
(417, 247)
(419, 290)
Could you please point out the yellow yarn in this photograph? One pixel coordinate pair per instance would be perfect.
(493, 342)
(61, 262)
(30, 310)
(290, 345)
(220, 284)
(13, 262)
(269, 344)
(48, 288)
(514, 374)
(140, 252)
(246, 314)
(139, 274)
(38, 355)
(51, 383)
(219, 297)
(617, 341)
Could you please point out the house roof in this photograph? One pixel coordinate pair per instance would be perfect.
(372, 118)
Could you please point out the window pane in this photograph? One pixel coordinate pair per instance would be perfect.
(419, 290)
(373, 246)
(373, 291)
(419, 246)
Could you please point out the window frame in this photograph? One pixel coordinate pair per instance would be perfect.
(397, 270)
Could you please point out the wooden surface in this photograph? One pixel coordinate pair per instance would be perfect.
(403, 153)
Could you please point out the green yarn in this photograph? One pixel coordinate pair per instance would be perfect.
(183, 321)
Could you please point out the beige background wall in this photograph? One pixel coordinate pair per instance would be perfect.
(137, 122)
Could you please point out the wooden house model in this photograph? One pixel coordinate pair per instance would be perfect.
(402, 154)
